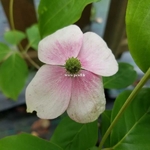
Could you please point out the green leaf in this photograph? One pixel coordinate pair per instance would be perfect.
(54, 15)
(132, 130)
(4, 51)
(13, 74)
(138, 31)
(26, 142)
(70, 135)
(14, 37)
(122, 79)
(105, 123)
(33, 36)
(94, 148)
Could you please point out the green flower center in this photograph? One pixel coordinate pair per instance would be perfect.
(73, 65)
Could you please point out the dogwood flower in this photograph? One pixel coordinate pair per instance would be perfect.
(71, 79)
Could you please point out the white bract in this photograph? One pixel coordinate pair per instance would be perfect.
(78, 88)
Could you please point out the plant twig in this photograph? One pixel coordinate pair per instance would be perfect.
(31, 61)
(20, 46)
(11, 14)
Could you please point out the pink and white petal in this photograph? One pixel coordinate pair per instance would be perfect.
(87, 98)
(49, 92)
(96, 57)
(56, 48)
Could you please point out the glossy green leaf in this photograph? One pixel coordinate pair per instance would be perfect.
(70, 135)
(13, 74)
(4, 51)
(33, 36)
(54, 15)
(14, 37)
(132, 131)
(26, 142)
(125, 76)
(105, 123)
(138, 31)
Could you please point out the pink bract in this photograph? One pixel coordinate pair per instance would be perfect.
(53, 91)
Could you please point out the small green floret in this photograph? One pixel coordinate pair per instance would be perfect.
(73, 65)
